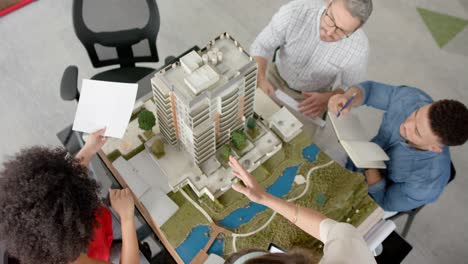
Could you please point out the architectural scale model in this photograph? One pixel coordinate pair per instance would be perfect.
(205, 109)
(203, 99)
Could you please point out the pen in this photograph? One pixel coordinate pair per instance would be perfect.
(346, 104)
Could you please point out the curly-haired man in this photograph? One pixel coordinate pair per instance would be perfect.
(415, 133)
(50, 211)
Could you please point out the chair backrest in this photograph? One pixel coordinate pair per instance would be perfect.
(453, 173)
(117, 31)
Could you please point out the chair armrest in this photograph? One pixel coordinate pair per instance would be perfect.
(69, 84)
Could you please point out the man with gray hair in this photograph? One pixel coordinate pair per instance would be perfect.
(319, 42)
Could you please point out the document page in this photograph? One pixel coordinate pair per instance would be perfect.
(348, 127)
(365, 151)
(105, 104)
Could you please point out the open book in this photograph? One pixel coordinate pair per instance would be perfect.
(352, 137)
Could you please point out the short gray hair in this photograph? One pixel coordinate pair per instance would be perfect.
(361, 9)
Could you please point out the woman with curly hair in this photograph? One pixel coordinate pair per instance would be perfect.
(50, 211)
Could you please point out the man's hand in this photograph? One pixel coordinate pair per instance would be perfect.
(266, 86)
(252, 190)
(314, 104)
(372, 176)
(122, 202)
(337, 102)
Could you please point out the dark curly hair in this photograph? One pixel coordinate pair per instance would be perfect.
(47, 206)
(449, 121)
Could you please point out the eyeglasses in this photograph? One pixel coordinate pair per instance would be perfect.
(330, 22)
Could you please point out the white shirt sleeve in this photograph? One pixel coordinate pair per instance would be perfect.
(356, 69)
(274, 34)
(343, 244)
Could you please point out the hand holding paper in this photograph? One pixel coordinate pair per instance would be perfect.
(95, 141)
(314, 104)
(289, 101)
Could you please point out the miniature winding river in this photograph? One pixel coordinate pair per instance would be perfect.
(198, 237)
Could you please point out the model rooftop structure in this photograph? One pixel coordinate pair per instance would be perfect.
(285, 124)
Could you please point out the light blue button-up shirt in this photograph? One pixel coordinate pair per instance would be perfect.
(413, 177)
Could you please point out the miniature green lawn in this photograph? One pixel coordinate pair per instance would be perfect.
(181, 223)
(333, 191)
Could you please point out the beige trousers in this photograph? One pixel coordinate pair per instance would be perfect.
(273, 76)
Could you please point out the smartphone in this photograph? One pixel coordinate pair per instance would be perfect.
(272, 248)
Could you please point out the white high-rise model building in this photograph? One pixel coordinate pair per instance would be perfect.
(205, 96)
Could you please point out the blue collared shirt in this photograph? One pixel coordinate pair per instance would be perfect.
(413, 177)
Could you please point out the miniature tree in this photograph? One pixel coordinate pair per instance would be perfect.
(224, 153)
(146, 121)
(252, 129)
(157, 148)
(218, 204)
(239, 140)
(320, 199)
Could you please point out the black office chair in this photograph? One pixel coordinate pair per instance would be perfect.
(412, 213)
(123, 47)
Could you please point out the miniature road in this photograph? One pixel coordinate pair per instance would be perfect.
(205, 214)
(234, 235)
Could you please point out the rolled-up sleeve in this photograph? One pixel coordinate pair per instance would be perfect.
(343, 244)
(376, 94)
(274, 34)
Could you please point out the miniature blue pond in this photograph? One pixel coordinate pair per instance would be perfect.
(197, 238)
(196, 241)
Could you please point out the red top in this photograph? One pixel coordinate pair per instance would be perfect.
(102, 242)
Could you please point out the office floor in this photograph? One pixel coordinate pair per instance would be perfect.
(38, 42)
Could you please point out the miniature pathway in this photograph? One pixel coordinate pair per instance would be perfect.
(205, 214)
(234, 235)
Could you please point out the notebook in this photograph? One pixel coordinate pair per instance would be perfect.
(352, 136)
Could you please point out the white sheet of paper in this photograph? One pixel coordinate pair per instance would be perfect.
(293, 104)
(287, 100)
(348, 127)
(105, 104)
(365, 151)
